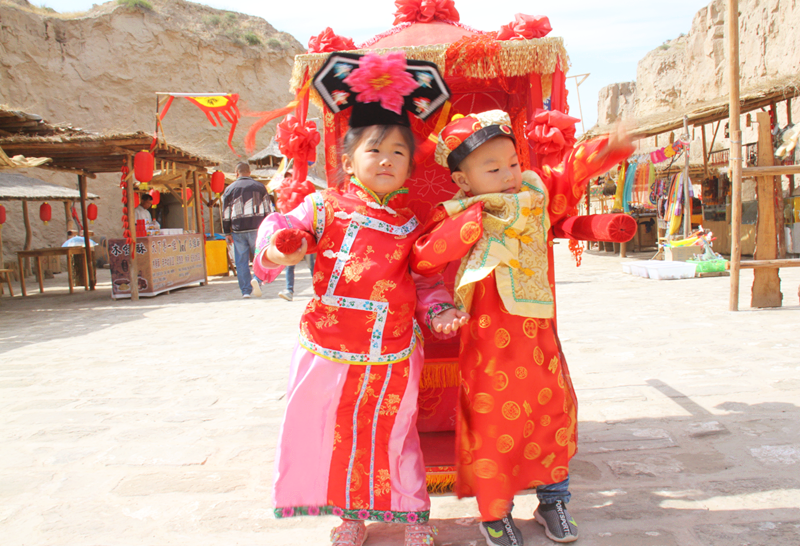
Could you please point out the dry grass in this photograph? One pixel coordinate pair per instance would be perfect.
(45, 11)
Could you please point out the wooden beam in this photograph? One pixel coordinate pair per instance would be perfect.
(26, 219)
(771, 170)
(705, 150)
(67, 170)
(184, 203)
(758, 264)
(735, 157)
(766, 282)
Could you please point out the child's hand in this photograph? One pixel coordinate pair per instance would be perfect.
(449, 320)
(277, 257)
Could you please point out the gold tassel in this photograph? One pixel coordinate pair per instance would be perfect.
(440, 482)
(439, 375)
(517, 58)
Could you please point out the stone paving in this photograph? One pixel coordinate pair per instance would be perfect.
(154, 423)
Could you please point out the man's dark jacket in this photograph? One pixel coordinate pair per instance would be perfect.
(245, 204)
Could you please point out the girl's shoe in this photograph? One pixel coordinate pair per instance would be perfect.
(349, 533)
(420, 535)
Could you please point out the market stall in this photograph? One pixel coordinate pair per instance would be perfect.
(26, 189)
(86, 155)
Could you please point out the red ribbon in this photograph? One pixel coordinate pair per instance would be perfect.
(425, 11)
(525, 27)
(552, 133)
(328, 41)
(299, 142)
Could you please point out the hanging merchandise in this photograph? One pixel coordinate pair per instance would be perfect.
(45, 212)
(620, 187)
(627, 195)
(91, 212)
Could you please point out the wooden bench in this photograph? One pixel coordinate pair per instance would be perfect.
(5, 276)
(69, 251)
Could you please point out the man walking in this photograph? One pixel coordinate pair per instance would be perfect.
(245, 204)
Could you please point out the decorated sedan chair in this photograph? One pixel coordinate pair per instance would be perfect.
(517, 69)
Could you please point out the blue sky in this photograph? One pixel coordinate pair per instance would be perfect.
(605, 39)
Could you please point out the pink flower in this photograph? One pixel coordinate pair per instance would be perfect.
(388, 516)
(288, 512)
(411, 518)
(525, 27)
(327, 41)
(382, 78)
(337, 511)
(363, 514)
(313, 510)
(425, 11)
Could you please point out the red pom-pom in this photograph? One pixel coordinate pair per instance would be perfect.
(287, 241)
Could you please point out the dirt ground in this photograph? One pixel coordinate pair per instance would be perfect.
(154, 423)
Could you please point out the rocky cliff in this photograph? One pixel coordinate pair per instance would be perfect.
(693, 67)
(100, 71)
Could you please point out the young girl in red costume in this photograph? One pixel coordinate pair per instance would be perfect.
(348, 444)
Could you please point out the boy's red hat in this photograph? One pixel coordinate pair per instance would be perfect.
(464, 134)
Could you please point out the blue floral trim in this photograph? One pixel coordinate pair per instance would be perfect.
(356, 358)
(386, 516)
(435, 310)
(318, 204)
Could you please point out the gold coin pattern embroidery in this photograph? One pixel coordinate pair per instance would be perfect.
(538, 356)
(532, 451)
(500, 381)
(511, 411)
(545, 421)
(505, 443)
(440, 246)
(530, 327)
(502, 338)
(483, 403)
(470, 232)
(562, 436)
(485, 468)
(521, 372)
(485, 321)
(528, 429)
(545, 395)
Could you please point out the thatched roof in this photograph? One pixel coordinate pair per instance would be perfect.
(270, 151)
(16, 187)
(712, 110)
(17, 122)
(86, 153)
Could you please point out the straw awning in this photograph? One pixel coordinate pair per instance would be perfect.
(710, 111)
(16, 122)
(89, 154)
(16, 187)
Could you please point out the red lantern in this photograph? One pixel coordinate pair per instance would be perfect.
(143, 164)
(2, 215)
(156, 195)
(91, 212)
(45, 212)
(188, 195)
(135, 200)
(218, 182)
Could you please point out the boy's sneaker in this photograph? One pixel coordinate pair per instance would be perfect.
(558, 524)
(285, 294)
(502, 532)
(245, 296)
(256, 288)
(349, 533)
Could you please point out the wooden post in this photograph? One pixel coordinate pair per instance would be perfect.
(766, 282)
(134, 269)
(89, 261)
(199, 221)
(588, 208)
(705, 150)
(735, 157)
(687, 200)
(777, 190)
(26, 219)
(2, 259)
(67, 216)
(789, 122)
(185, 202)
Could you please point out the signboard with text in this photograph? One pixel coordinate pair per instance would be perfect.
(166, 262)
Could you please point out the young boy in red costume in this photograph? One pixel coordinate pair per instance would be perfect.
(517, 413)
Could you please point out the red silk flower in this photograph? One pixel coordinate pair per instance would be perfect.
(384, 79)
(288, 241)
(425, 11)
(327, 41)
(292, 192)
(525, 27)
(298, 142)
(551, 132)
